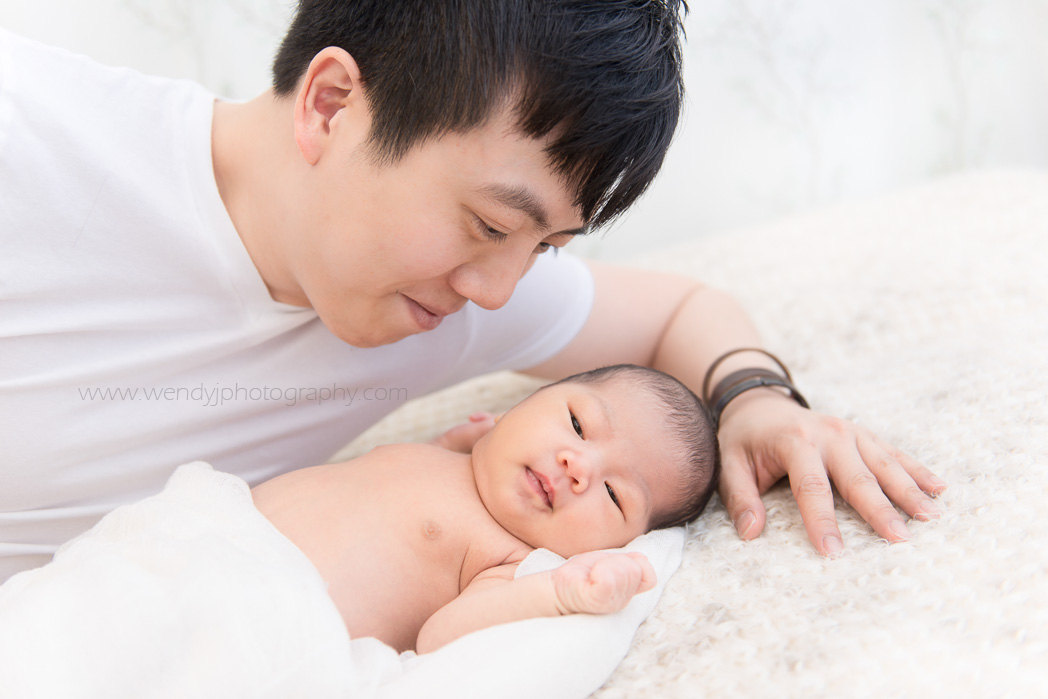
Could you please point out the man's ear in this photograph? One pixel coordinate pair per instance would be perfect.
(330, 94)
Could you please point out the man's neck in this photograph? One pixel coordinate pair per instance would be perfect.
(253, 151)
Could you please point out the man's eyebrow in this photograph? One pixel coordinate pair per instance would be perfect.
(521, 199)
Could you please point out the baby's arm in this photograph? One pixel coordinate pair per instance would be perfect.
(594, 583)
(461, 438)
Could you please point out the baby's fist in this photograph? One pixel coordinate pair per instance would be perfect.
(600, 583)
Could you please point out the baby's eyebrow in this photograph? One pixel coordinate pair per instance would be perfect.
(637, 494)
(605, 412)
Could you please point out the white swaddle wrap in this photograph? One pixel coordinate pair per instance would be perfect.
(193, 593)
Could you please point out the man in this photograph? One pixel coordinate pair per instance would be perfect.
(250, 284)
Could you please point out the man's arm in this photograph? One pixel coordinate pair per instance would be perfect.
(677, 325)
(592, 583)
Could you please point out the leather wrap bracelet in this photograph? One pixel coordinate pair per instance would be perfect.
(741, 387)
(738, 382)
(717, 362)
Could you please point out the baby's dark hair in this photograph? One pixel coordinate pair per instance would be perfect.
(690, 420)
(602, 76)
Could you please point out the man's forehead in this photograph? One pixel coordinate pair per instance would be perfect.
(536, 202)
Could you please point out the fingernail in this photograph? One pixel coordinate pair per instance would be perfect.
(938, 485)
(832, 546)
(929, 510)
(745, 523)
(899, 530)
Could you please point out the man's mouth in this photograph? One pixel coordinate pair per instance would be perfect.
(427, 317)
(440, 313)
(541, 485)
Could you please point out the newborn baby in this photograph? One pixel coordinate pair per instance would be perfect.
(588, 463)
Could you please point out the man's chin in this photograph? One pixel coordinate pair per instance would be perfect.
(372, 337)
(374, 340)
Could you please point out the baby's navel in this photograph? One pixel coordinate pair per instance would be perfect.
(431, 530)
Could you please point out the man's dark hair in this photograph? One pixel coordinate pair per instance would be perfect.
(602, 76)
(690, 419)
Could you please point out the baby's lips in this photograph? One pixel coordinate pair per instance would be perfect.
(538, 482)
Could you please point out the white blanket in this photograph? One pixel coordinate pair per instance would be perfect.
(193, 593)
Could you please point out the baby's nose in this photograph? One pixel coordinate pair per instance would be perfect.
(579, 467)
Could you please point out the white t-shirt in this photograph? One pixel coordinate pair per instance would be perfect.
(135, 332)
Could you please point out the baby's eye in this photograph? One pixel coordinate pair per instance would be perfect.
(575, 424)
(614, 497)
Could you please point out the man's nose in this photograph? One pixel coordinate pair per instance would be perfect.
(489, 282)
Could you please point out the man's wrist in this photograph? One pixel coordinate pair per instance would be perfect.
(755, 398)
(747, 379)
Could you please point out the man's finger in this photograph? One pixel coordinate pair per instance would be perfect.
(863, 478)
(897, 481)
(923, 477)
(738, 492)
(814, 494)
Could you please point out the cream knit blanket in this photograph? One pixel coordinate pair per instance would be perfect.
(925, 317)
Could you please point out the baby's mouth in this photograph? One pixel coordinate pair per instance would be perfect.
(540, 485)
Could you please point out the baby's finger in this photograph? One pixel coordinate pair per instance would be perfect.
(648, 576)
(896, 480)
(612, 582)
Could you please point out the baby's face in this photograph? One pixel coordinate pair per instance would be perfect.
(579, 467)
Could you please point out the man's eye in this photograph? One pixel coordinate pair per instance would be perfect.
(495, 235)
(614, 497)
(575, 424)
(488, 232)
(544, 247)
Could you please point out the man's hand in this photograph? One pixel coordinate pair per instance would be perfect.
(599, 582)
(765, 436)
(461, 438)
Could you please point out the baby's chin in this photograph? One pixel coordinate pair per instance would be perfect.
(569, 549)
(537, 541)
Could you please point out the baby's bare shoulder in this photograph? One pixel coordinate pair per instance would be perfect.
(408, 452)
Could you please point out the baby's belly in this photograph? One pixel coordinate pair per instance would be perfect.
(388, 589)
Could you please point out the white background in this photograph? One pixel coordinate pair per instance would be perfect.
(792, 104)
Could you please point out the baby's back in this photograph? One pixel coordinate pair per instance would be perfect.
(396, 533)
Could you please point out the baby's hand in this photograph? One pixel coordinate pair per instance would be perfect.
(600, 583)
(461, 438)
